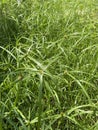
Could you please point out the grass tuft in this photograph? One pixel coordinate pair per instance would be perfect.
(48, 65)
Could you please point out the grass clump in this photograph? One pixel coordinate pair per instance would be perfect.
(48, 65)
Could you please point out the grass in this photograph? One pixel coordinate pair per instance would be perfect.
(49, 65)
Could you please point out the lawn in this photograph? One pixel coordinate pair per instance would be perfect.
(48, 65)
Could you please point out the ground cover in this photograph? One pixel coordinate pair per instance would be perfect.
(49, 65)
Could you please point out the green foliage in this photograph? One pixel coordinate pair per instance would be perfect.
(49, 65)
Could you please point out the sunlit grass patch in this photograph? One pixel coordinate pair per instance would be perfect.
(48, 65)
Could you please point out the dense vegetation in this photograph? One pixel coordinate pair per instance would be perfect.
(49, 65)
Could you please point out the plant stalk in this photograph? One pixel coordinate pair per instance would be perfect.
(40, 102)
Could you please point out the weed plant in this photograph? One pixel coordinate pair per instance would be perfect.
(49, 65)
